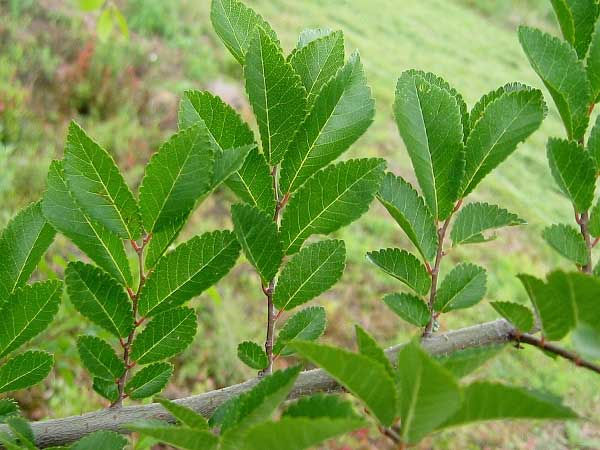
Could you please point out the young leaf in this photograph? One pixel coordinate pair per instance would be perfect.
(236, 24)
(22, 244)
(409, 210)
(96, 183)
(103, 246)
(462, 362)
(333, 198)
(318, 61)
(574, 171)
(404, 267)
(183, 414)
(101, 440)
(181, 437)
(149, 381)
(356, 373)
(99, 297)
(276, 94)
(168, 334)
(504, 123)
(429, 121)
(368, 346)
(567, 241)
(463, 287)
(187, 271)
(409, 307)
(106, 388)
(475, 218)
(339, 115)
(520, 316)
(25, 370)
(564, 76)
(309, 273)
(490, 401)
(429, 393)
(593, 63)
(485, 100)
(306, 325)
(252, 354)
(259, 238)
(99, 358)
(27, 312)
(176, 177)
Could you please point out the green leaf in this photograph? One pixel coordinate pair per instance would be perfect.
(593, 63)
(105, 25)
(368, 346)
(149, 381)
(90, 5)
(574, 171)
(309, 273)
(429, 394)
(8, 408)
(187, 271)
(25, 370)
(520, 316)
(333, 198)
(318, 61)
(409, 210)
(356, 373)
(99, 358)
(229, 163)
(183, 414)
(253, 183)
(490, 401)
(586, 340)
(429, 121)
(475, 218)
(176, 177)
(409, 307)
(96, 183)
(259, 238)
(306, 325)
(27, 312)
(505, 122)
(253, 355)
(463, 362)
(276, 94)
(556, 63)
(463, 287)
(106, 388)
(576, 19)
(488, 98)
(100, 298)
(163, 238)
(168, 334)
(567, 241)
(564, 16)
(236, 24)
(403, 266)
(181, 437)
(593, 144)
(21, 429)
(101, 440)
(22, 244)
(339, 115)
(320, 405)
(94, 239)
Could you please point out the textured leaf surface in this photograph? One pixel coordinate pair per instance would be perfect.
(99, 297)
(340, 114)
(593, 63)
(163, 238)
(168, 334)
(276, 94)
(28, 311)
(94, 239)
(463, 287)
(25, 370)
(101, 440)
(567, 241)
(309, 273)
(556, 63)
(21, 429)
(8, 408)
(98, 186)
(258, 235)
(369, 347)
(188, 270)
(409, 307)
(252, 354)
(99, 358)
(320, 405)
(228, 163)
(183, 414)
(306, 325)
(149, 381)
(488, 98)
(576, 19)
(253, 183)
(333, 198)
(181, 437)
(593, 144)
(574, 171)
(403, 266)
(22, 244)
(408, 209)
(106, 388)
(475, 218)
(463, 362)
(356, 373)
(429, 121)
(594, 222)
(520, 316)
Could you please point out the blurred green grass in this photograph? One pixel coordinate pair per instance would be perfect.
(125, 94)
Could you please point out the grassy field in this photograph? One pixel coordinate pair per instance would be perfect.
(125, 94)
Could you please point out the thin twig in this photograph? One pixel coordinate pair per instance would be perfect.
(585, 232)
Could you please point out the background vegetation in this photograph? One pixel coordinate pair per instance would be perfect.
(125, 93)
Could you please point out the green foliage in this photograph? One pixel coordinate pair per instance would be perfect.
(593, 63)
(520, 316)
(182, 437)
(409, 307)
(101, 440)
(463, 362)
(475, 218)
(576, 19)
(149, 381)
(567, 241)
(99, 358)
(252, 354)
(183, 414)
(24, 370)
(463, 287)
(404, 267)
(307, 324)
(368, 346)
